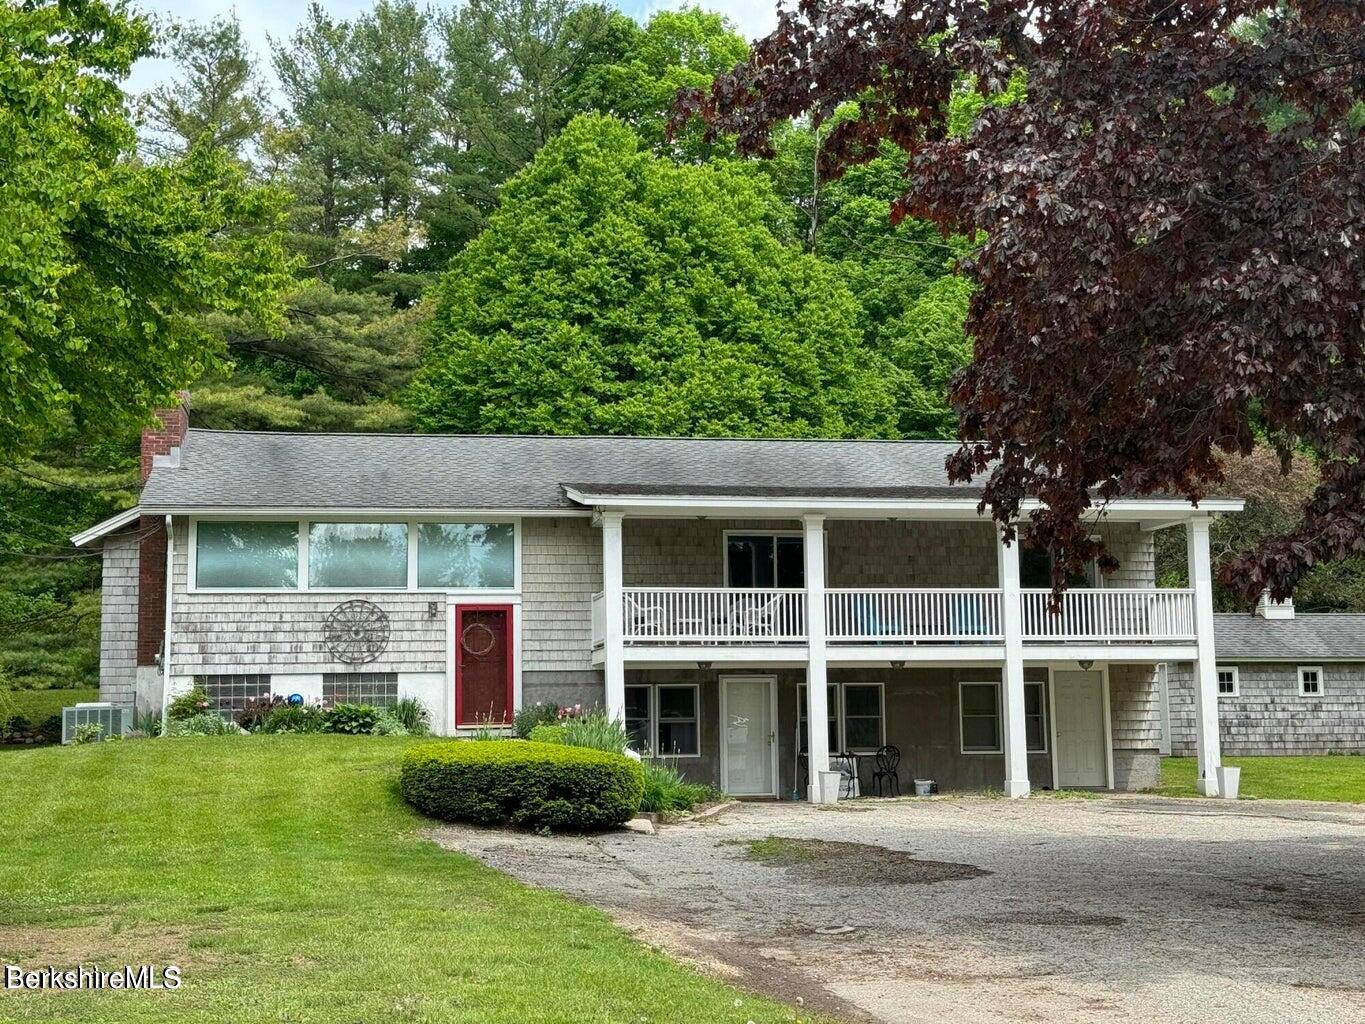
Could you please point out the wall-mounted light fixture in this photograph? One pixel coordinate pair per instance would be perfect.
(1086, 664)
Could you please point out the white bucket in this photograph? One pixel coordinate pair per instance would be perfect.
(924, 787)
(1229, 780)
(829, 787)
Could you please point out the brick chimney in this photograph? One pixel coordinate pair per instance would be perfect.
(164, 439)
(167, 435)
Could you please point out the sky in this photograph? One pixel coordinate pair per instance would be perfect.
(265, 19)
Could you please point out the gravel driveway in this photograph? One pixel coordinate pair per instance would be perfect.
(974, 910)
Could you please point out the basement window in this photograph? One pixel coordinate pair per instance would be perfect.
(377, 689)
(228, 693)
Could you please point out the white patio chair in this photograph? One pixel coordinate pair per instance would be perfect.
(754, 616)
(644, 619)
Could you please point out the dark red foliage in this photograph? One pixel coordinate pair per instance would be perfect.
(1173, 236)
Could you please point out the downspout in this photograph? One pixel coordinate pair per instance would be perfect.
(166, 631)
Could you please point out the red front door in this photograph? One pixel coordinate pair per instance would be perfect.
(483, 664)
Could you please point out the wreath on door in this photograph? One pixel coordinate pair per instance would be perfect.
(477, 639)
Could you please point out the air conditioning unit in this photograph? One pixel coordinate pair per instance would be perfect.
(112, 719)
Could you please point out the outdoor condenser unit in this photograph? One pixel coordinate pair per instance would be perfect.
(112, 719)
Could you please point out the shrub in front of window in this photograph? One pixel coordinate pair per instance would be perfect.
(256, 710)
(353, 719)
(529, 716)
(294, 718)
(598, 731)
(526, 785)
(188, 705)
(206, 723)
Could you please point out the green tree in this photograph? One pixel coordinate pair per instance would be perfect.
(677, 49)
(107, 263)
(216, 97)
(617, 292)
(512, 72)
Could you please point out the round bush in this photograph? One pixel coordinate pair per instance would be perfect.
(521, 783)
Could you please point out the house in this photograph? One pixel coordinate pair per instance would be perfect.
(1287, 684)
(704, 590)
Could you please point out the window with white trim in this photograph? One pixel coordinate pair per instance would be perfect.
(773, 559)
(664, 719)
(1229, 681)
(981, 718)
(1310, 680)
(857, 717)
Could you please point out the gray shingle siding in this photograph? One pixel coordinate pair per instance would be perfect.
(118, 618)
(1135, 708)
(561, 568)
(1269, 717)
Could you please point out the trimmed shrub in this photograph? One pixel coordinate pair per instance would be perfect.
(355, 719)
(529, 716)
(527, 785)
(547, 732)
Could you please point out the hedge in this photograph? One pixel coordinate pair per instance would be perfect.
(521, 783)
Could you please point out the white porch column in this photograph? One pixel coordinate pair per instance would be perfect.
(1012, 674)
(613, 648)
(817, 693)
(1206, 666)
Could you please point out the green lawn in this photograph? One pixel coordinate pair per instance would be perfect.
(35, 705)
(286, 878)
(1277, 778)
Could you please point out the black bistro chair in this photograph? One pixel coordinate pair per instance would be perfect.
(886, 766)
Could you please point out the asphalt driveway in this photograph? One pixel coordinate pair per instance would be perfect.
(976, 910)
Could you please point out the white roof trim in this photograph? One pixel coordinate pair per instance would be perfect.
(108, 526)
(646, 503)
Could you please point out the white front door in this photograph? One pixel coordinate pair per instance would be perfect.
(748, 736)
(1079, 708)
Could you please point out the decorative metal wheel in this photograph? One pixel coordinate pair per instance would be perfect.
(356, 632)
(477, 639)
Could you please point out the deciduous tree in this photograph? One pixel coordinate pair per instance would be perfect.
(1173, 220)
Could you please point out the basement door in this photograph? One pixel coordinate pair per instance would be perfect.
(748, 721)
(1079, 708)
(483, 664)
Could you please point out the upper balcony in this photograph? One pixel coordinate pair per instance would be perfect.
(888, 616)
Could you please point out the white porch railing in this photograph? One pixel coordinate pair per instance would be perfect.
(1107, 616)
(892, 615)
(712, 615)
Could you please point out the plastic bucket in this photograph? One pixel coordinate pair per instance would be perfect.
(924, 787)
(1229, 781)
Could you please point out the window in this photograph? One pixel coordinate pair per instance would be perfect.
(379, 689)
(358, 555)
(663, 719)
(473, 555)
(229, 693)
(1310, 681)
(1228, 681)
(261, 556)
(980, 704)
(856, 717)
(765, 560)
(1035, 718)
(1035, 569)
(982, 729)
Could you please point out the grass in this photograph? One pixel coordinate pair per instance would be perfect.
(1277, 778)
(781, 852)
(287, 879)
(35, 705)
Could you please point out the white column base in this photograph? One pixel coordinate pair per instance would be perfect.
(1207, 787)
(1016, 789)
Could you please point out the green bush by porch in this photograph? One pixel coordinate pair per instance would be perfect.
(523, 784)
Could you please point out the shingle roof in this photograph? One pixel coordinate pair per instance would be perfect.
(245, 469)
(1308, 637)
